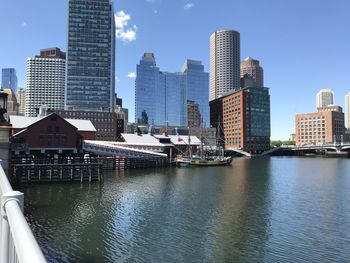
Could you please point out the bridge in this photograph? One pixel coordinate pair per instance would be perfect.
(17, 242)
(337, 148)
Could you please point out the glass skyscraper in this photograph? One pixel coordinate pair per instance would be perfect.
(164, 97)
(9, 79)
(196, 83)
(90, 56)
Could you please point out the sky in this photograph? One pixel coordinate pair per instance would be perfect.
(303, 45)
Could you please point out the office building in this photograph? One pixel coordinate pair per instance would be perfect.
(324, 98)
(224, 62)
(251, 67)
(326, 126)
(104, 122)
(193, 114)
(161, 98)
(90, 73)
(9, 79)
(45, 81)
(246, 119)
(242, 119)
(21, 99)
(12, 103)
(196, 82)
(347, 111)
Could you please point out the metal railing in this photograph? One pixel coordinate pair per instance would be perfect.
(17, 243)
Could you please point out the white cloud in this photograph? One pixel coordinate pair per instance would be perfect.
(188, 6)
(121, 31)
(131, 75)
(117, 79)
(24, 24)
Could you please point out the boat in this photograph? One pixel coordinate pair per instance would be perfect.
(194, 160)
(188, 161)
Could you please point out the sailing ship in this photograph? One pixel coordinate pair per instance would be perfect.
(203, 160)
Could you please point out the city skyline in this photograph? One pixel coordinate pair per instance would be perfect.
(290, 54)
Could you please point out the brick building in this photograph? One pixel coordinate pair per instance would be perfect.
(325, 126)
(245, 115)
(104, 122)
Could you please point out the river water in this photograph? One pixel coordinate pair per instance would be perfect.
(279, 209)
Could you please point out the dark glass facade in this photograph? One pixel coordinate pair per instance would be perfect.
(90, 56)
(9, 79)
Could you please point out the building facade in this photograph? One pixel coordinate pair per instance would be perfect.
(161, 98)
(224, 62)
(9, 79)
(90, 76)
(324, 98)
(21, 99)
(325, 126)
(104, 122)
(12, 103)
(252, 68)
(246, 119)
(45, 81)
(347, 111)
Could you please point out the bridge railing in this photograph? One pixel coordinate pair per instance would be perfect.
(17, 242)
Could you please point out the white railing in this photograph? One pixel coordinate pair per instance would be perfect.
(17, 243)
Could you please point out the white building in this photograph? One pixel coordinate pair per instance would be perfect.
(347, 111)
(45, 81)
(224, 62)
(324, 98)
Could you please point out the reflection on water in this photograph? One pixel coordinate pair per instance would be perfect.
(258, 210)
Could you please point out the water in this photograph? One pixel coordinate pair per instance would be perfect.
(281, 209)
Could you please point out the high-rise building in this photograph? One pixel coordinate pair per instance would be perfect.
(252, 67)
(161, 97)
(347, 111)
(9, 79)
(242, 119)
(90, 56)
(224, 62)
(196, 82)
(246, 119)
(21, 99)
(45, 81)
(324, 98)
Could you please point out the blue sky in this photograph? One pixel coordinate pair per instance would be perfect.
(303, 45)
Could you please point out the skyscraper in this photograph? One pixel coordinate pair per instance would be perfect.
(9, 79)
(224, 62)
(149, 92)
(347, 111)
(90, 56)
(251, 67)
(196, 89)
(324, 98)
(163, 97)
(45, 81)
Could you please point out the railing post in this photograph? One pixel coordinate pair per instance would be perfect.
(5, 228)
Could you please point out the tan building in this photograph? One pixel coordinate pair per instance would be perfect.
(252, 67)
(324, 98)
(325, 126)
(12, 104)
(224, 62)
(21, 99)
